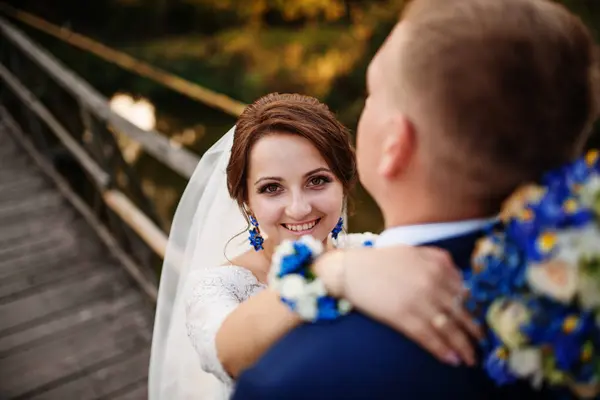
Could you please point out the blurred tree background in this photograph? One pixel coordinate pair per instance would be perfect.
(243, 49)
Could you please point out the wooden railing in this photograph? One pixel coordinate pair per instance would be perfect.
(125, 61)
(68, 119)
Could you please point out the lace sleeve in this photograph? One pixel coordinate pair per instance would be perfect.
(214, 293)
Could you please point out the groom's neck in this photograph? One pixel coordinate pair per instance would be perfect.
(416, 210)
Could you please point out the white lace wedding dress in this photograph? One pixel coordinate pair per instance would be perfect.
(214, 293)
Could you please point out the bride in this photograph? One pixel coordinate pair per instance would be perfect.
(286, 172)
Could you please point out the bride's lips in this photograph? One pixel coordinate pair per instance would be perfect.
(304, 228)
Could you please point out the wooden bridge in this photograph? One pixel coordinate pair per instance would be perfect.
(79, 238)
(72, 324)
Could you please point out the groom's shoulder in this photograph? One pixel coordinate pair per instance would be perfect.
(356, 357)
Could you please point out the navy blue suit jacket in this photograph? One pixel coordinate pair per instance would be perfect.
(356, 357)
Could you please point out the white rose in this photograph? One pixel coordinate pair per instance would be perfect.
(344, 306)
(506, 317)
(315, 246)
(589, 292)
(284, 249)
(554, 278)
(292, 286)
(526, 362)
(316, 288)
(590, 191)
(572, 243)
(306, 307)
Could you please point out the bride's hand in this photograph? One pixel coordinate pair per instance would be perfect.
(415, 290)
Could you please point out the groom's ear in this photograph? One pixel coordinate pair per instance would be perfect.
(398, 147)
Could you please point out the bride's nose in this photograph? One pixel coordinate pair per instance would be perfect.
(299, 207)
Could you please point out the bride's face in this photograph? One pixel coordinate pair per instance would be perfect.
(291, 190)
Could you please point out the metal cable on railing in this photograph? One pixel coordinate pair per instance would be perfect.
(125, 61)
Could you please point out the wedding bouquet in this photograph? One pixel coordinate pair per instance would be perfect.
(300, 289)
(535, 283)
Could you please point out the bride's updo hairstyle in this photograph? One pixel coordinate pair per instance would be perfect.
(293, 114)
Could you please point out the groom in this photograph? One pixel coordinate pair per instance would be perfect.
(467, 100)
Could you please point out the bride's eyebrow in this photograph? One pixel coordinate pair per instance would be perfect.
(268, 178)
(278, 179)
(314, 171)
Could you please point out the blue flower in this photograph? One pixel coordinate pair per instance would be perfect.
(499, 276)
(574, 331)
(576, 214)
(290, 265)
(586, 372)
(298, 262)
(290, 303)
(496, 365)
(522, 228)
(327, 308)
(539, 224)
(541, 247)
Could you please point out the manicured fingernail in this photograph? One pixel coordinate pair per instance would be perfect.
(453, 358)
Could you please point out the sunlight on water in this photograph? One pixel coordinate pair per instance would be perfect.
(140, 112)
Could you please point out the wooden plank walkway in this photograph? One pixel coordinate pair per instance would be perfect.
(73, 325)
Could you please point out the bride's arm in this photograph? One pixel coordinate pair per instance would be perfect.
(253, 327)
(231, 322)
(404, 289)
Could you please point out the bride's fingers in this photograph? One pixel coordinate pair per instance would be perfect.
(452, 305)
(453, 286)
(427, 337)
(444, 273)
(464, 319)
(444, 260)
(454, 336)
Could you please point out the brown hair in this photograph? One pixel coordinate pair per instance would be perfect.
(500, 79)
(294, 114)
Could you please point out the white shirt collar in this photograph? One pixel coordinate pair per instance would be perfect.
(427, 233)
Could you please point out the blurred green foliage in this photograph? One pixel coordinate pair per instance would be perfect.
(240, 48)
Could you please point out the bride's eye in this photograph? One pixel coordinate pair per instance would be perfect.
(270, 188)
(319, 180)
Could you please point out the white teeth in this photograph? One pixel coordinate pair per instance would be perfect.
(299, 228)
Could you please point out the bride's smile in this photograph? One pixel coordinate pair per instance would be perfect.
(304, 228)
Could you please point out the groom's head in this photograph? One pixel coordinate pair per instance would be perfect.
(467, 100)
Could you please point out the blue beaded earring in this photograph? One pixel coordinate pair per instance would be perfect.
(255, 239)
(338, 228)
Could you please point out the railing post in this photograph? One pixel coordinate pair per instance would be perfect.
(133, 182)
(104, 147)
(92, 137)
(3, 60)
(92, 141)
(36, 129)
(135, 223)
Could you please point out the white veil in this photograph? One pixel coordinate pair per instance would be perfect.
(205, 222)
